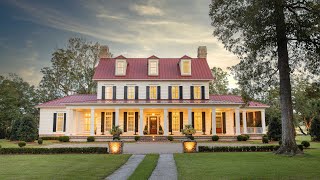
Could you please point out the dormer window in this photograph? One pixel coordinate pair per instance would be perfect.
(153, 67)
(121, 66)
(185, 67)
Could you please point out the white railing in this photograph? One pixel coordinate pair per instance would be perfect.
(250, 130)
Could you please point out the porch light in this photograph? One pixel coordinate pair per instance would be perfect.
(152, 138)
(189, 146)
(115, 147)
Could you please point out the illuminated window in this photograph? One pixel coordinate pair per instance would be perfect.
(109, 92)
(197, 92)
(120, 68)
(175, 121)
(218, 120)
(108, 121)
(153, 92)
(87, 118)
(198, 121)
(130, 121)
(186, 67)
(131, 92)
(60, 121)
(153, 67)
(175, 92)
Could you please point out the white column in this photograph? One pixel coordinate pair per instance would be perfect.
(69, 121)
(213, 119)
(141, 122)
(190, 116)
(237, 114)
(92, 122)
(244, 119)
(263, 121)
(116, 110)
(165, 121)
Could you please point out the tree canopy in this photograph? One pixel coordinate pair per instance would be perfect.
(220, 83)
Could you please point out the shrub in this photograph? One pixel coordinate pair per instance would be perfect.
(315, 129)
(274, 129)
(191, 137)
(246, 135)
(22, 144)
(215, 138)
(116, 138)
(64, 138)
(50, 138)
(265, 140)
(40, 141)
(28, 129)
(306, 144)
(90, 139)
(170, 138)
(240, 148)
(137, 138)
(240, 138)
(83, 150)
(244, 138)
(280, 142)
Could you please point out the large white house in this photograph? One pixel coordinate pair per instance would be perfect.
(145, 95)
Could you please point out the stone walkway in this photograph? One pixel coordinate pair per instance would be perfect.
(166, 168)
(125, 171)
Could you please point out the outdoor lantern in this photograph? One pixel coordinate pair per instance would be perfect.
(189, 146)
(115, 147)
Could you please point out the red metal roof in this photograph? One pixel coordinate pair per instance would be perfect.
(92, 99)
(137, 69)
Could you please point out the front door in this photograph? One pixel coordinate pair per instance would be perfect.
(153, 125)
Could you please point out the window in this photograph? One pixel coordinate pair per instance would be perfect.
(108, 121)
(186, 68)
(218, 120)
(198, 121)
(60, 121)
(130, 92)
(175, 92)
(153, 67)
(120, 68)
(130, 121)
(87, 118)
(109, 92)
(197, 92)
(153, 92)
(175, 121)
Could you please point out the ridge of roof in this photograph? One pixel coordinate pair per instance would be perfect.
(120, 57)
(153, 57)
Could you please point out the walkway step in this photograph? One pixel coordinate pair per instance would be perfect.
(125, 171)
(166, 168)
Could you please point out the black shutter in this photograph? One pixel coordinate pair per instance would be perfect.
(136, 117)
(203, 96)
(203, 122)
(54, 122)
(224, 122)
(181, 121)
(64, 122)
(113, 119)
(102, 122)
(234, 119)
(169, 92)
(114, 91)
(125, 122)
(180, 92)
(159, 93)
(170, 122)
(191, 92)
(192, 119)
(136, 92)
(148, 92)
(125, 92)
(103, 92)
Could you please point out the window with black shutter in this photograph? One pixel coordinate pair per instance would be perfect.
(191, 92)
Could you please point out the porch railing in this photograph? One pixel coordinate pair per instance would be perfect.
(250, 130)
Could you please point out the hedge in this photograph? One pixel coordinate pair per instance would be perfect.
(50, 138)
(240, 148)
(85, 150)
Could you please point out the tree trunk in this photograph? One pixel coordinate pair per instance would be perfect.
(288, 146)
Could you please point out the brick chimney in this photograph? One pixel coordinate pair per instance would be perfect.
(104, 52)
(202, 52)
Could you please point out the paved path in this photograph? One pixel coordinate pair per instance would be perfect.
(166, 168)
(127, 169)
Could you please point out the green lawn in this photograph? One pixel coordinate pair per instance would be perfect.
(145, 168)
(14, 144)
(70, 166)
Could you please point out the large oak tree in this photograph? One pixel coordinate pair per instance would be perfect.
(272, 38)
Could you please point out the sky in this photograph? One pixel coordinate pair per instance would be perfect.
(31, 30)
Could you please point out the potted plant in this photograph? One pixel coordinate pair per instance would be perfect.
(145, 131)
(189, 145)
(188, 131)
(160, 130)
(116, 131)
(116, 146)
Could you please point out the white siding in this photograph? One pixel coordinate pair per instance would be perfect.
(46, 120)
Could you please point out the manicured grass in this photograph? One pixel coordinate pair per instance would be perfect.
(71, 166)
(14, 144)
(145, 168)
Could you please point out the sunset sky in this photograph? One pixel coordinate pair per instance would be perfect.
(31, 30)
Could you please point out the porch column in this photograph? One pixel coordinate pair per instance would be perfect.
(190, 116)
(165, 121)
(116, 110)
(263, 121)
(244, 119)
(141, 122)
(92, 122)
(213, 119)
(237, 114)
(70, 121)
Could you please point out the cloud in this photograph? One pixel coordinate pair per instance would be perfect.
(104, 15)
(146, 10)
